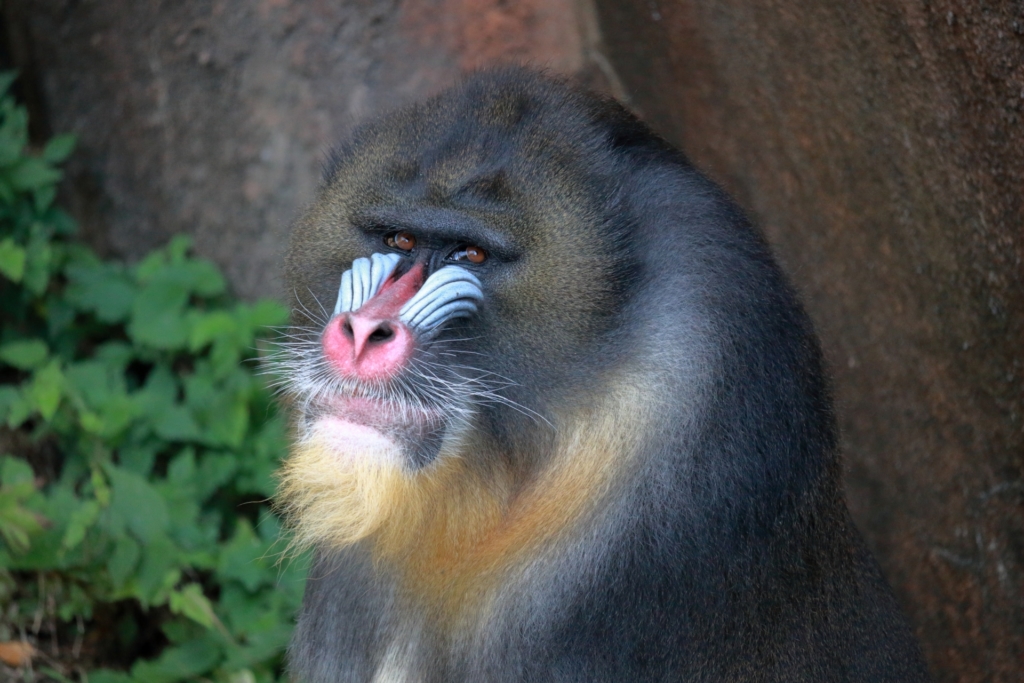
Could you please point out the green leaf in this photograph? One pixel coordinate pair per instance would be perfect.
(81, 521)
(9, 396)
(31, 173)
(204, 278)
(46, 554)
(158, 315)
(222, 414)
(158, 404)
(135, 373)
(13, 132)
(181, 472)
(64, 225)
(241, 676)
(179, 662)
(109, 676)
(100, 487)
(176, 424)
(157, 572)
(60, 316)
(123, 560)
(45, 390)
(136, 501)
(244, 559)
(16, 405)
(116, 355)
(139, 457)
(103, 289)
(266, 313)
(43, 197)
(116, 414)
(159, 393)
(261, 648)
(172, 266)
(100, 385)
(208, 327)
(177, 249)
(190, 602)
(182, 630)
(215, 470)
(59, 148)
(17, 523)
(15, 471)
(183, 505)
(12, 260)
(263, 454)
(90, 381)
(7, 195)
(153, 263)
(38, 258)
(25, 354)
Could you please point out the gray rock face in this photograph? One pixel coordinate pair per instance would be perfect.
(212, 118)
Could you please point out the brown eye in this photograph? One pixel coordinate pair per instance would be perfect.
(473, 254)
(405, 241)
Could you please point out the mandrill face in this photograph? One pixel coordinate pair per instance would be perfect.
(387, 309)
(452, 285)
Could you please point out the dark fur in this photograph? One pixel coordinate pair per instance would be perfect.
(728, 553)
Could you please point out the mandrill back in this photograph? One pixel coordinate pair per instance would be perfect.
(560, 417)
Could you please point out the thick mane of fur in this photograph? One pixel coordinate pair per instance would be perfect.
(453, 530)
(622, 466)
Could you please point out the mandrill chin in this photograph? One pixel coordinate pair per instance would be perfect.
(559, 416)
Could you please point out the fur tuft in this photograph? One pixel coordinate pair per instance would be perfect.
(448, 529)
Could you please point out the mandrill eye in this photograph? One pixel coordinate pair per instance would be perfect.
(473, 254)
(405, 241)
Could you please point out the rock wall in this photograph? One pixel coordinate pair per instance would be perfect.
(881, 146)
(211, 117)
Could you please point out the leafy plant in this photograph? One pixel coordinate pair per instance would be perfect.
(136, 453)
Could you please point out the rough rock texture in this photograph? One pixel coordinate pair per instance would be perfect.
(212, 117)
(881, 146)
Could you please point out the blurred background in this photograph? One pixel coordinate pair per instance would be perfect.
(880, 145)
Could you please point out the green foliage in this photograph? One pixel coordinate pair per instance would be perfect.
(136, 543)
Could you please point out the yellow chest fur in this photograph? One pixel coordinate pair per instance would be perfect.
(453, 531)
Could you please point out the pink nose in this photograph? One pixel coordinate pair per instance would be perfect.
(371, 343)
(364, 347)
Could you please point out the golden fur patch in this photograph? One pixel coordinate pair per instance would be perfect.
(452, 530)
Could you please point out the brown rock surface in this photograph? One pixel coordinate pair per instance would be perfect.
(212, 117)
(881, 147)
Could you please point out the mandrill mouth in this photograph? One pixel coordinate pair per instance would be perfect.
(416, 428)
(416, 409)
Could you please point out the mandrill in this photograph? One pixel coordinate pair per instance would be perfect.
(558, 416)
